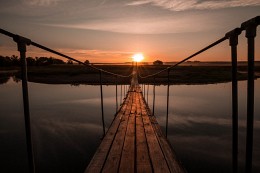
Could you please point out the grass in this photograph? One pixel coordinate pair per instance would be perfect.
(78, 74)
(194, 74)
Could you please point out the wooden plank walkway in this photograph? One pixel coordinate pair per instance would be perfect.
(134, 142)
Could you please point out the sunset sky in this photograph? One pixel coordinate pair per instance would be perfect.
(114, 30)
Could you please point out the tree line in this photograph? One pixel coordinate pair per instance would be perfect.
(6, 61)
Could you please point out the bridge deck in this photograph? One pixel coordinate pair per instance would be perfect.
(134, 142)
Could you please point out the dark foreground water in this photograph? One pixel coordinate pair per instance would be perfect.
(66, 125)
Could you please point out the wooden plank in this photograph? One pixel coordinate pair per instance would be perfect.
(114, 156)
(173, 163)
(98, 159)
(127, 164)
(158, 161)
(170, 156)
(138, 107)
(143, 163)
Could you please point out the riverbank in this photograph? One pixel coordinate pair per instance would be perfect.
(78, 74)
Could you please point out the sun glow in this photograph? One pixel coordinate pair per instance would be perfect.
(138, 57)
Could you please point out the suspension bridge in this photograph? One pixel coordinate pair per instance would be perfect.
(134, 141)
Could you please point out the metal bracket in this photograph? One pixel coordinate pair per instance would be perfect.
(250, 26)
(22, 42)
(233, 36)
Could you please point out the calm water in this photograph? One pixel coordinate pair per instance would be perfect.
(66, 125)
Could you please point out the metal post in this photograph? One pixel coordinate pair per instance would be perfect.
(153, 93)
(167, 111)
(234, 103)
(124, 91)
(21, 43)
(144, 92)
(121, 95)
(102, 105)
(116, 97)
(147, 94)
(250, 27)
(233, 42)
(250, 104)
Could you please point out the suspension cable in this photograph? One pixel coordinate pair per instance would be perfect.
(189, 57)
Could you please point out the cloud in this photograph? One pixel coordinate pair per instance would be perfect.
(181, 5)
(139, 2)
(94, 52)
(80, 54)
(41, 2)
(83, 54)
(155, 25)
(93, 55)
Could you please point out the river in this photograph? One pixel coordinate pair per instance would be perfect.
(67, 127)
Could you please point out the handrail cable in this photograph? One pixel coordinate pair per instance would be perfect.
(14, 36)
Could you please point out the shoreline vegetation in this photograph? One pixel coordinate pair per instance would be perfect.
(188, 73)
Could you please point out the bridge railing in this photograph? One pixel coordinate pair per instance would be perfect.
(22, 44)
(250, 28)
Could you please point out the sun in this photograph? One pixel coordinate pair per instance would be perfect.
(138, 57)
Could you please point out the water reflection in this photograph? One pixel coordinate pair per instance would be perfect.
(200, 125)
(4, 79)
(67, 127)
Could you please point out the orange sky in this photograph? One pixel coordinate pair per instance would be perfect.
(113, 30)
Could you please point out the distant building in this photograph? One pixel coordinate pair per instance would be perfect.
(157, 62)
